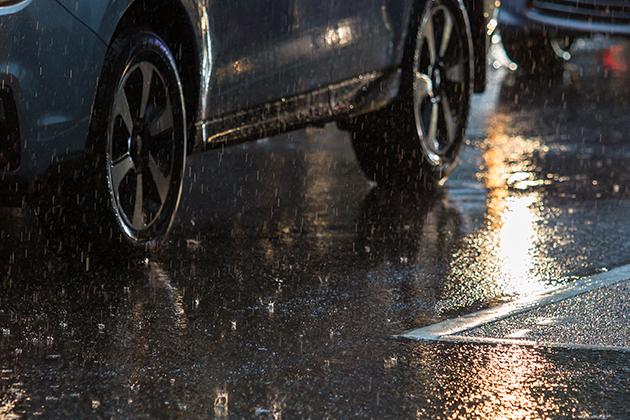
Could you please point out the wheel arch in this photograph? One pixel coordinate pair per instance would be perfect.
(184, 27)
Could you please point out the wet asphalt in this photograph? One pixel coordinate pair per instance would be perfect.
(287, 274)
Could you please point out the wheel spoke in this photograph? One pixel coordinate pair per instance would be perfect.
(429, 35)
(164, 122)
(120, 169)
(147, 78)
(423, 87)
(446, 34)
(122, 108)
(162, 182)
(138, 213)
(451, 125)
(433, 124)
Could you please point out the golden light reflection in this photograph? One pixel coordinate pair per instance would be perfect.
(9, 401)
(496, 383)
(155, 315)
(518, 245)
(507, 384)
(341, 35)
(507, 257)
(221, 405)
(499, 382)
(318, 186)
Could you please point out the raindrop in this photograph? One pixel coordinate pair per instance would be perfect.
(221, 405)
(391, 362)
(260, 411)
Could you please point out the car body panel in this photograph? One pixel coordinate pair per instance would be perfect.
(366, 35)
(528, 18)
(103, 17)
(52, 63)
(299, 46)
(259, 60)
(307, 62)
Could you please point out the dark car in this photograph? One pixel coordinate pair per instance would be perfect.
(539, 33)
(115, 94)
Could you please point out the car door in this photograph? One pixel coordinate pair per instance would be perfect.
(268, 50)
(246, 37)
(309, 53)
(366, 35)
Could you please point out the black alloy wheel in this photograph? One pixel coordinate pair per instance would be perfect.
(440, 99)
(417, 141)
(142, 138)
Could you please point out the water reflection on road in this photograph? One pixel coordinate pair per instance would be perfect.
(288, 272)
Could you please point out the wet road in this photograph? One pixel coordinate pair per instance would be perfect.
(288, 273)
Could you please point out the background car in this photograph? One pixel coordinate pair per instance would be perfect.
(101, 102)
(538, 34)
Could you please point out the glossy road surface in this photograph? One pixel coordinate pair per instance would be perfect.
(287, 274)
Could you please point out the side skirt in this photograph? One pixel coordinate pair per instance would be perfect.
(356, 96)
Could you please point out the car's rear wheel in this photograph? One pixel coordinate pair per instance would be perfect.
(418, 139)
(139, 139)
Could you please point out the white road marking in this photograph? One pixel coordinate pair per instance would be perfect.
(444, 331)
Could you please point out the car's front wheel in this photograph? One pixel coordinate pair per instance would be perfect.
(139, 139)
(419, 138)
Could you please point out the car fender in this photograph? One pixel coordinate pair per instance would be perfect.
(103, 18)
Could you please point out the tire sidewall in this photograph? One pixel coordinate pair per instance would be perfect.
(125, 51)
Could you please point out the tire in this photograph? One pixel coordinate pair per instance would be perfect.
(138, 141)
(417, 140)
